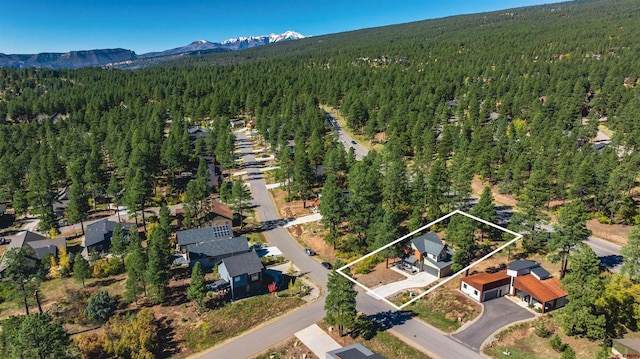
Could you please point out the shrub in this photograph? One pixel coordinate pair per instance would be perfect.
(568, 353)
(541, 329)
(100, 307)
(556, 343)
(107, 267)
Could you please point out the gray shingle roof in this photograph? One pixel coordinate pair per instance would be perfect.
(522, 264)
(245, 263)
(428, 243)
(447, 260)
(206, 234)
(219, 247)
(99, 231)
(354, 351)
(41, 245)
(540, 272)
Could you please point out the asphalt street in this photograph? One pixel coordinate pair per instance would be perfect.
(433, 342)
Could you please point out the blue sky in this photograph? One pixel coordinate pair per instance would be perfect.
(32, 26)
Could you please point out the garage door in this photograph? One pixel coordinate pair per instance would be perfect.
(431, 270)
(492, 294)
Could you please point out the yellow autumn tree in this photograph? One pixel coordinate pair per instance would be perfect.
(54, 270)
(131, 337)
(65, 267)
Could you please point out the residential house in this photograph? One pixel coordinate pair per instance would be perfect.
(243, 272)
(209, 245)
(40, 245)
(431, 255)
(236, 123)
(221, 210)
(97, 235)
(527, 280)
(354, 351)
(626, 348)
(197, 131)
(486, 286)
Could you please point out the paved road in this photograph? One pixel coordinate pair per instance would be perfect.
(344, 138)
(497, 313)
(607, 252)
(413, 331)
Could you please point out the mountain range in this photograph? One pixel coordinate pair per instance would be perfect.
(123, 58)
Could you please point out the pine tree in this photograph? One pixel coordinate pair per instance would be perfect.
(332, 207)
(119, 242)
(486, 210)
(157, 273)
(241, 198)
(197, 289)
(340, 304)
(570, 230)
(136, 266)
(80, 269)
(631, 255)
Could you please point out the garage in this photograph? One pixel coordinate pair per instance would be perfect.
(431, 270)
(492, 294)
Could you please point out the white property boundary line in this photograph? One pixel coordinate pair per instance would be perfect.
(376, 295)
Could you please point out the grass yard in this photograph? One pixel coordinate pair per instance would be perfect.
(522, 342)
(443, 307)
(231, 320)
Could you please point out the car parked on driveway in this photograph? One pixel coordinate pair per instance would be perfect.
(309, 252)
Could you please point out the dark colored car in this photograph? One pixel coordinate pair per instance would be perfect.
(309, 252)
(327, 265)
(353, 142)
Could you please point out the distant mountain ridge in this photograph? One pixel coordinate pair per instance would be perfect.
(129, 59)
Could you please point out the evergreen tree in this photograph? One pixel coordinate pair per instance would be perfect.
(136, 266)
(485, 209)
(581, 316)
(24, 276)
(197, 290)
(241, 197)
(80, 269)
(340, 304)
(570, 230)
(631, 255)
(332, 207)
(158, 267)
(78, 205)
(119, 242)
(34, 336)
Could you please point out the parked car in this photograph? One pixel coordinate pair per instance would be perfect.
(309, 252)
(327, 265)
(4, 240)
(353, 142)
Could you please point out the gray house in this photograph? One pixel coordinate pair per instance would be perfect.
(40, 245)
(209, 245)
(97, 235)
(431, 255)
(354, 351)
(243, 272)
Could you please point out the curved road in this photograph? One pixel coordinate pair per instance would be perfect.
(433, 342)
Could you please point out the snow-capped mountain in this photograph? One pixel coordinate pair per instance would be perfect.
(240, 43)
(129, 59)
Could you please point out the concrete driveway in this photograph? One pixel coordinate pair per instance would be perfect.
(418, 280)
(497, 313)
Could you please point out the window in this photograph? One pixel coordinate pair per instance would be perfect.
(464, 285)
(475, 292)
(255, 277)
(236, 279)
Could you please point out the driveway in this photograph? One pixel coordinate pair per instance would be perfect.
(419, 280)
(317, 340)
(497, 313)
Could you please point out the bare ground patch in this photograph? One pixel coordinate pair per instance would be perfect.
(380, 275)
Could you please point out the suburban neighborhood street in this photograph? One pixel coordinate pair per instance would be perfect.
(413, 331)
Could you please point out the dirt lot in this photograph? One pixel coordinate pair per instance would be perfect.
(291, 348)
(380, 275)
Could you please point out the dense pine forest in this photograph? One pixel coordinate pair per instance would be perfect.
(513, 96)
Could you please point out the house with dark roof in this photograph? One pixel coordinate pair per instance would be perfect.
(354, 351)
(209, 245)
(626, 348)
(431, 255)
(97, 235)
(524, 279)
(40, 245)
(243, 272)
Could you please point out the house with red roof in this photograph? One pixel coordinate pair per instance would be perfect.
(526, 280)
